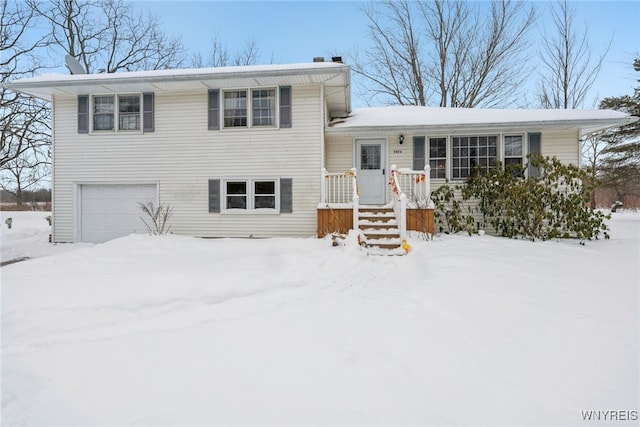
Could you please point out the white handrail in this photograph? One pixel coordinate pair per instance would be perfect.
(355, 197)
(416, 185)
(399, 202)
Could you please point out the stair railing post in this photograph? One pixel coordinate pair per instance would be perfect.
(427, 187)
(427, 183)
(355, 197)
(323, 186)
(403, 216)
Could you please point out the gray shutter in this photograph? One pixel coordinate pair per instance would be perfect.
(147, 112)
(214, 109)
(214, 195)
(418, 153)
(83, 113)
(535, 146)
(286, 195)
(285, 106)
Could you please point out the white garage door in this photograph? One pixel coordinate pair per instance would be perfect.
(111, 211)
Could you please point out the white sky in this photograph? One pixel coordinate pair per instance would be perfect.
(297, 31)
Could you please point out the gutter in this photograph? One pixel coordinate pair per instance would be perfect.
(177, 76)
(592, 124)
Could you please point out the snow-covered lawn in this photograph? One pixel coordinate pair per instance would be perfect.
(181, 331)
(28, 236)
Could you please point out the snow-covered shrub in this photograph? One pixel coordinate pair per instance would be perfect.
(553, 206)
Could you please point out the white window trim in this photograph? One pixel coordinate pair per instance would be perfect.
(503, 148)
(499, 149)
(116, 114)
(250, 125)
(448, 153)
(251, 209)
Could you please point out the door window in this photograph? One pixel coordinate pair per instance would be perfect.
(370, 156)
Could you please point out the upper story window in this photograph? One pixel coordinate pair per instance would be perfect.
(249, 108)
(129, 112)
(263, 102)
(235, 108)
(115, 113)
(262, 110)
(103, 112)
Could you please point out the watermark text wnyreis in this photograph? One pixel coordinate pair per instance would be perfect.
(618, 415)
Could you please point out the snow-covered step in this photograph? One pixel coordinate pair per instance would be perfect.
(369, 223)
(380, 229)
(383, 231)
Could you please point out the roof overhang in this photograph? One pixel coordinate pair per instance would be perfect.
(411, 119)
(334, 76)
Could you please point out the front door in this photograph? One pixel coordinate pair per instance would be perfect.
(371, 170)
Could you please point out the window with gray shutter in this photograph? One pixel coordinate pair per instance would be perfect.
(418, 153)
(535, 146)
(214, 109)
(286, 195)
(214, 195)
(285, 106)
(83, 113)
(147, 112)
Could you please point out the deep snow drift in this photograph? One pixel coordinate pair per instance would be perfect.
(464, 330)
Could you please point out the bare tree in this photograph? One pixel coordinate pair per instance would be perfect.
(109, 35)
(219, 56)
(24, 121)
(25, 172)
(569, 66)
(248, 55)
(445, 53)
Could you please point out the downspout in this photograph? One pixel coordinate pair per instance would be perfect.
(322, 126)
(52, 236)
(579, 147)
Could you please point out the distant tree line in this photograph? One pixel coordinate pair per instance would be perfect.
(42, 195)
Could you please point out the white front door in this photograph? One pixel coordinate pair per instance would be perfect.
(371, 170)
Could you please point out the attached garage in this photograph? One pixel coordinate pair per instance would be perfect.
(108, 211)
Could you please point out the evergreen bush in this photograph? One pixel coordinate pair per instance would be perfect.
(553, 206)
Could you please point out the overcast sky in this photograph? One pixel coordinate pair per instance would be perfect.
(297, 31)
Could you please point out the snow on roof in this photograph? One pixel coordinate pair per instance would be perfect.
(330, 74)
(417, 116)
(185, 73)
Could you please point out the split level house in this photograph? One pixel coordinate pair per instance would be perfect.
(271, 150)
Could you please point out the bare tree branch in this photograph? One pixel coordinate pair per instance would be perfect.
(109, 35)
(569, 65)
(445, 53)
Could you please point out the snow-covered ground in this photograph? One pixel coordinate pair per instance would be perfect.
(28, 236)
(180, 331)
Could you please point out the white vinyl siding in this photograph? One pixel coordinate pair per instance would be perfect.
(561, 144)
(339, 153)
(182, 155)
